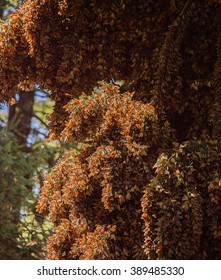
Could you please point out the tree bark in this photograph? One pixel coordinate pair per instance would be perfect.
(20, 114)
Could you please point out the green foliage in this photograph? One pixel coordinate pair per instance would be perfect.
(23, 231)
(33, 235)
(43, 108)
(7, 4)
(15, 169)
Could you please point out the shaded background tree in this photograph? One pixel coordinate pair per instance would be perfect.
(145, 180)
(22, 231)
(25, 157)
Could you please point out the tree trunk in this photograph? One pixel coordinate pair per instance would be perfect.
(20, 114)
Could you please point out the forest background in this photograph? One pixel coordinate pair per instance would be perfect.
(26, 156)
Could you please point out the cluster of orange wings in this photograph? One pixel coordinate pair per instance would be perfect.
(145, 183)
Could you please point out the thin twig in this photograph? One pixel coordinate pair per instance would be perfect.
(38, 118)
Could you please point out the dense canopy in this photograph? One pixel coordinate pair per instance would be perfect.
(145, 181)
